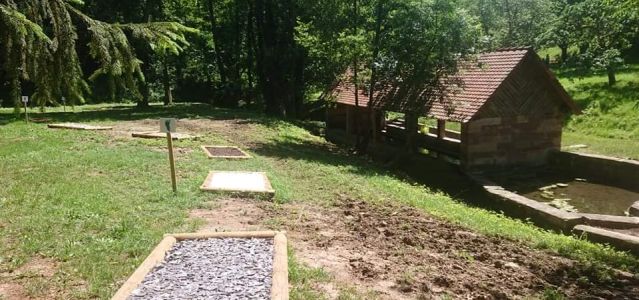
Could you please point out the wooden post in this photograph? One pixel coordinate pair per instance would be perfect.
(25, 101)
(441, 129)
(169, 140)
(373, 117)
(26, 114)
(348, 119)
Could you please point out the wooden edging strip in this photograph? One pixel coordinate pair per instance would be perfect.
(156, 256)
(279, 287)
(234, 234)
(79, 127)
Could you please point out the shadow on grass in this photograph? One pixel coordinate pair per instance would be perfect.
(607, 96)
(131, 113)
(434, 174)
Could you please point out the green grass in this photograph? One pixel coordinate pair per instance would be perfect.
(98, 204)
(609, 123)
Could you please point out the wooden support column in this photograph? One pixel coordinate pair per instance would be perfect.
(441, 129)
(374, 127)
(349, 124)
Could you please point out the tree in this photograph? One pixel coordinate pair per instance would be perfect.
(38, 42)
(562, 30)
(423, 44)
(607, 29)
(509, 23)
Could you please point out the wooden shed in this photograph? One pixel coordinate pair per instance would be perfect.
(352, 113)
(510, 106)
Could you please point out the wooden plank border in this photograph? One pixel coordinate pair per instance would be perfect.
(177, 136)
(209, 155)
(78, 126)
(279, 285)
(268, 188)
(156, 256)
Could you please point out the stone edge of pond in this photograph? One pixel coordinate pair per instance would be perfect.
(279, 287)
(549, 217)
(616, 239)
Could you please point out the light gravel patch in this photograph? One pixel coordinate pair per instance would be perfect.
(217, 268)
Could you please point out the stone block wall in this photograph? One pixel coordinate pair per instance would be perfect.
(509, 141)
(622, 173)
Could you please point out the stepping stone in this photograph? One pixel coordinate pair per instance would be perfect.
(78, 126)
(242, 182)
(224, 152)
(162, 135)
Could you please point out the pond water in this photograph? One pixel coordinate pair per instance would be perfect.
(571, 194)
(588, 197)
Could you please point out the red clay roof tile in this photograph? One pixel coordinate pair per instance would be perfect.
(480, 79)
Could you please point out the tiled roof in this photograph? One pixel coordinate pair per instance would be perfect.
(479, 79)
(345, 94)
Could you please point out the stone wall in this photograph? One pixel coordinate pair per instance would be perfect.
(508, 141)
(622, 173)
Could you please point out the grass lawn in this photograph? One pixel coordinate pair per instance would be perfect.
(92, 204)
(610, 121)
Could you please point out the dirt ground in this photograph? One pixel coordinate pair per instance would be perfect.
(36, 279)
(398, 252)
(392, 251)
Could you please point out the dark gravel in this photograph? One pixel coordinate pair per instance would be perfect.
(225, 151)
(218, 268)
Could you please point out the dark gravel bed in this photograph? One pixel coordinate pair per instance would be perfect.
(225, 151)
(218, 268)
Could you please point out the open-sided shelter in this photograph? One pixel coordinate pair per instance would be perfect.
(510, 106)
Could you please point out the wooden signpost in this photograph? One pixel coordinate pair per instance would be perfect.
(168, 125)
(25, 100)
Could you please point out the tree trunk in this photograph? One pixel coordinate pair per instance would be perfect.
(166, 80)
(379, 15)
(564, 53)
(146, 93)
(358, 133)
(612, 78)
(250, 37)
(216, 46)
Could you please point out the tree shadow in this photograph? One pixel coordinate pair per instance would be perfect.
(607, 96)
(434, 174)
(132, 113)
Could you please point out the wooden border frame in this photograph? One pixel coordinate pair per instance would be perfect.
(268, 188)
(245, 155)
(279, 285)
(177, 136)
(78, 126)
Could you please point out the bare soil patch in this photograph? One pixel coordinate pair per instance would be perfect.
(230, 214)
(223, 151)
(37, 279)
(394, 251)
(230, 129)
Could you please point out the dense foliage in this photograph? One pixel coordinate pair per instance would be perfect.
(44, 53)
(276, 55)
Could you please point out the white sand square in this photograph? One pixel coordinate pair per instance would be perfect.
(237, 182)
